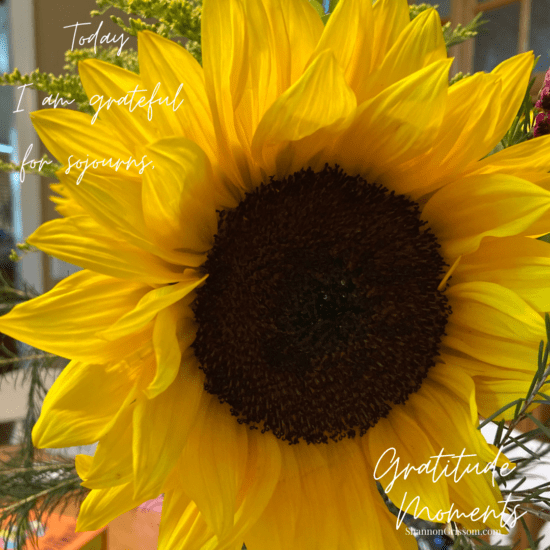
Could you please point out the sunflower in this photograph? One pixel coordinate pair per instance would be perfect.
(315, 276)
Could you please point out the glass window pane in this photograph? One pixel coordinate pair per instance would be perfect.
(444, 6)
(4, 57)
(497, 39)
(540, 33)
(5, 203)
(6, 92)
(6, 114)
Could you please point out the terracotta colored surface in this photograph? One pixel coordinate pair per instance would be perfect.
(59, 534)
(135, 530)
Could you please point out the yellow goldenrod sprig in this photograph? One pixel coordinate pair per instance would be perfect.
(174, 18)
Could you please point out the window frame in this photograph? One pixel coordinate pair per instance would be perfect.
(26, 196)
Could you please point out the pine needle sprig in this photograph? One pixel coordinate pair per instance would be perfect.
(29, 493)
(29, 490)
(10, 296)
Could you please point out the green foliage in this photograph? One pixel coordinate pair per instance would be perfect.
(318, 7)
(48, 170)
(68, 86)
(461, 33)
(458, 77)
(416, 9)
(173, 18)
(127, 59)
(23, 248)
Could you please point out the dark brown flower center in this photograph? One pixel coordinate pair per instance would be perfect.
(321, 309)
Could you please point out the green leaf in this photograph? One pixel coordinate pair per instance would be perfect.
(318, 8)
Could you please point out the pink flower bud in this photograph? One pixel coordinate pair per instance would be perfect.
(542, 125)
(543, 102)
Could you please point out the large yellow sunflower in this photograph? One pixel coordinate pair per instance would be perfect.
(266, 309)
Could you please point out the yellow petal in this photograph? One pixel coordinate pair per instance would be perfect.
(81, 241)
(463, 212)
(419, 45)
(66, 319)
(491, 323)
(112, 202)
(215, 465)
(494, 394)
(398, 124)
(470, 130)
(71, 137)
(497, 351)
(174, 330)
(224, 61)
(80, 404)
(391, 17)
(295, 31)
(393, 537)
(65, 203)
(532, 155)
(317, 522)
(518, 263)
(498, 368)
(115, 204)
(302, 110)
(349, 35)
(394, 444)
(83, 463)
(103, 505)
(262, 475)
(515, 73)
(355, 497)
(182, 526)
(451, 385)
(276, 528)
(173, 333)
(279, 44)
(104, 81)
(112, 461)
(151, 304)
(178, 203)
(165, 61)
(494, 310)
(446, 418)
(497, 383)
(472, 107)
(161, 428)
